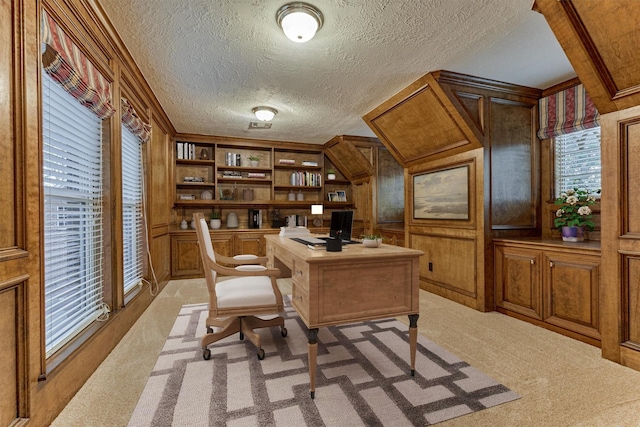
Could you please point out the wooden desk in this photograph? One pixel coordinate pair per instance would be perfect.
(357, 284)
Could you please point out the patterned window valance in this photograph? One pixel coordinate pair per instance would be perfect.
(567, 111)
(67, 65)
(134, 123)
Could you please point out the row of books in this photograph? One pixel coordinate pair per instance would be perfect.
(305, 178)
(185, 150)
(293, 162)
(238, 175)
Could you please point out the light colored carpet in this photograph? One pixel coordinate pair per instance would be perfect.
(362, 379)
(562, 382)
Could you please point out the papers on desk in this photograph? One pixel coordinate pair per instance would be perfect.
(294, 231)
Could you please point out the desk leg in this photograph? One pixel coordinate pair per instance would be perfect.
(413, 341)
(313, 356)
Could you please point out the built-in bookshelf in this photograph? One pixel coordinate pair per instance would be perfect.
(244, 178)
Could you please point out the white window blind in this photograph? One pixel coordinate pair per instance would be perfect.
(577, 160)
(72, 179)
(132, 219)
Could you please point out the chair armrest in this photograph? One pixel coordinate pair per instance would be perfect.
(241, 259)
(228, 271)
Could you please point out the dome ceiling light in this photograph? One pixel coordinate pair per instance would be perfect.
(299, 21)
(265, 114)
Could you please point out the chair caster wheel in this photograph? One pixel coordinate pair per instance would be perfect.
(209, 330)
(206, 354)
(241, 336)
(283, 331)
(260, 354)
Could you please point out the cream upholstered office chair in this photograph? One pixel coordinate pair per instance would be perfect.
(235, 302)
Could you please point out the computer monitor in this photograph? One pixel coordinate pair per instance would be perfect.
(341, 222)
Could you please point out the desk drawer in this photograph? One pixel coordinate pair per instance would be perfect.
(300, 299)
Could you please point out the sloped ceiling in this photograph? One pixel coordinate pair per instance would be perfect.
(210, 62)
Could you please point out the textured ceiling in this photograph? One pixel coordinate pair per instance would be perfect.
(209, 62)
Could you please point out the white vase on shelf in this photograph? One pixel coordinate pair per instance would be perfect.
(215, 223)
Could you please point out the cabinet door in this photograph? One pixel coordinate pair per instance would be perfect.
(518, 282)
(185, 253)
(252, 243)
(571, 292)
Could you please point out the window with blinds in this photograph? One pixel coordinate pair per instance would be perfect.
(577, 160)
(72, 180)
(132, 219)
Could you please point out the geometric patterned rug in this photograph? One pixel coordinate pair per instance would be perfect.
(363, 379)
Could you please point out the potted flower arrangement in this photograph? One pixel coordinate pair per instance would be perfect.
(575, 215)
(216, 221)
(371, 240)
(254, 161)
(331, 174)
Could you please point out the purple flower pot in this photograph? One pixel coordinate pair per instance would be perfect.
(572, 234)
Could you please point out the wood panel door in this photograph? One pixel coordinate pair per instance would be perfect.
(185, 253)
(252, 243)
(571, 286)
(15, 276)
(518, 281)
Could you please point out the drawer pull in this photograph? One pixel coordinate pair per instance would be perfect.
(532, 262)
(551, 264)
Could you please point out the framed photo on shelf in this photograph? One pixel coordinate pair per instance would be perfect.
(442, 194)
(341, 195)
(332, 196)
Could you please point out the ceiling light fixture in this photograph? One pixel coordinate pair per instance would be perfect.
(299, 21)
(265, 114)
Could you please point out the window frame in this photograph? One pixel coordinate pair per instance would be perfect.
(557, 188)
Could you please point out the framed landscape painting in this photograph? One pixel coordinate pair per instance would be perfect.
(443, 194)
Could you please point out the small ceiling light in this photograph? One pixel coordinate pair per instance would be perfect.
(265, 114)
(299, 21)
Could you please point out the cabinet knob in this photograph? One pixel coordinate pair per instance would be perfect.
(551, 264)
(532, 261)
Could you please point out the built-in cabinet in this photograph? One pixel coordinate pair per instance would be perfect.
(186, 262)
(551, 284)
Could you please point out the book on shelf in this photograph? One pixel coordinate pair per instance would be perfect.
(185, 151)
(309, 163)
(232, 174)
(256, 175)
(305, 179)
(286, 161)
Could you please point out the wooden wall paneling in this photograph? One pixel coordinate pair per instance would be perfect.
(514, 160)
(620, 142)
(159, 187)
(586, 29)
(630, 134)
(351, 162)
(448, 267)
(423, 123)
(390, 203)
(8, 137)
(470, 289)
(630, 319)
(13, 358)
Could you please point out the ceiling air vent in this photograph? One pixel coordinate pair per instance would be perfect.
(259, 125)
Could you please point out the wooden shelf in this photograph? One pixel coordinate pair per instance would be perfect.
(244, 169)
(195, 184)
(283, 204)
(195, 162)
(297, 167)
(245, 180)
(297, 187)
